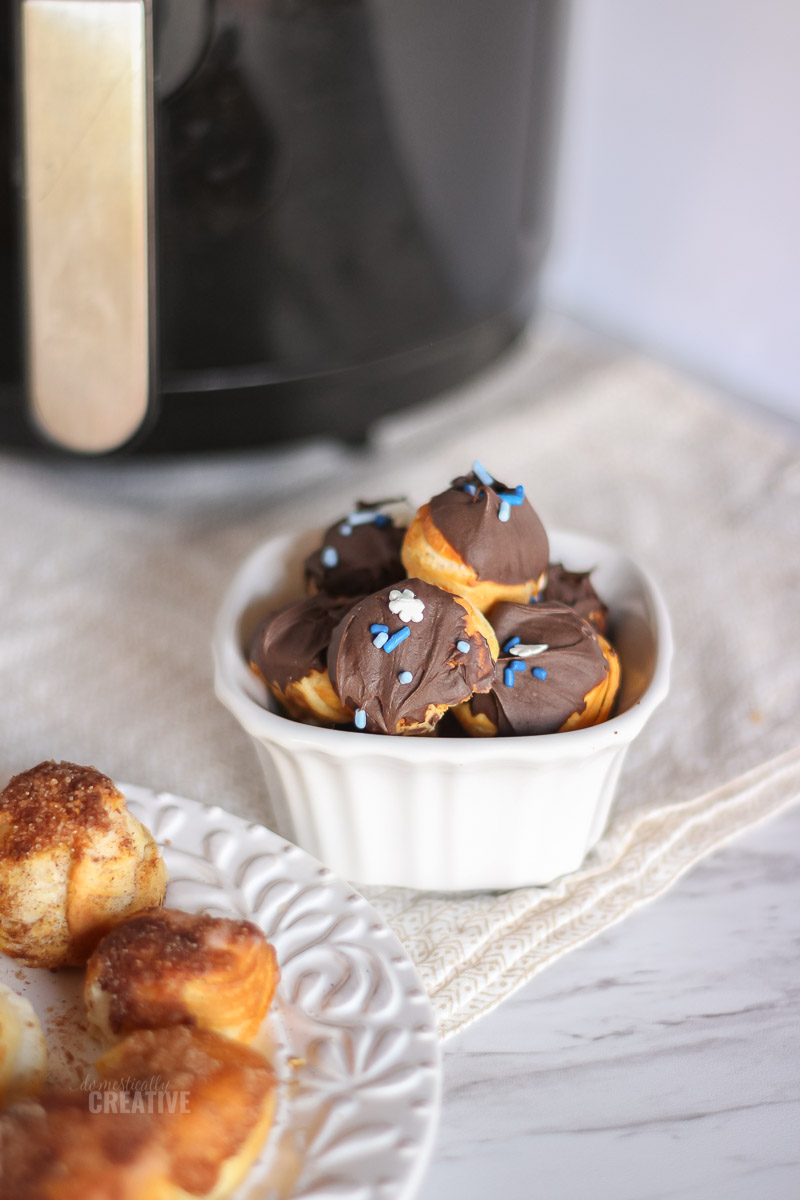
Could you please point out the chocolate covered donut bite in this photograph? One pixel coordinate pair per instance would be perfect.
(554, 673)
(361, 552)
(289, 652)
(481, 539)
(402, 657)
(575, 589)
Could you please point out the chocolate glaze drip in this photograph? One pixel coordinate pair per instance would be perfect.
(368, 557)
(293, 641)
(574, 663)
(575, 589)
(502, 552)
(366, 677)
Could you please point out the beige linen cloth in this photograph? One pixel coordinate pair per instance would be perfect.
(111, 574)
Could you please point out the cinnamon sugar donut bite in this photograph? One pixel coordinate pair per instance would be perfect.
(289, 651)
(211, 1141)
(163, 967)
(360, 553)
(57, 1148)
(554, 673)
(400, 658)
(23, 1054)
(178, 1114)
(481, 539)
(73, 862)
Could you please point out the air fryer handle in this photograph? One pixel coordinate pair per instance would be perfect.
(88, 203)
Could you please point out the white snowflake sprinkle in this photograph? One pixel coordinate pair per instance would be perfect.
(405, 605)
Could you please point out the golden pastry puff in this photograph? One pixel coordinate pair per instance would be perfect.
(554, 673)
(402, 657)
(163, 967)
(73, 862)
(23, 1054)
(288, 652)
(481, 539)
(178, 1114)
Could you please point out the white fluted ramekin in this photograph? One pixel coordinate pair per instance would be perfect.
(444, 813)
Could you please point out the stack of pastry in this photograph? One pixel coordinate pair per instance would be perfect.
(461, 611)
(180, 994)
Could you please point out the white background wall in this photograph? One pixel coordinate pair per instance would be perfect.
(678, 223)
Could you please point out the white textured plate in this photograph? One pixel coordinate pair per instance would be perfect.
(351, 1031)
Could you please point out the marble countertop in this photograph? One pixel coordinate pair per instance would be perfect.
(661, 1060)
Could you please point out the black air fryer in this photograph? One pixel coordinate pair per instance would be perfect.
(226, 223)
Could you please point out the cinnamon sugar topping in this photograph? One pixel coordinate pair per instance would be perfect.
(143, 963)
(54, 804)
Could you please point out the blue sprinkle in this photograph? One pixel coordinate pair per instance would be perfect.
(511, 498)
(540, 672)
(379, 628)
(360, 718)
(330, 556)
(381, 520)
(405, 677)
(480, 470)
(519, 490)
(345, 530)
(396, 639)
(504, 512)
(464, 647)
(380, 641)
(470, 487)
(511, 642)
(516, 666)
(508, 677)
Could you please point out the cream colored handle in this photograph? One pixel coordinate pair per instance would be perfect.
(88, 200)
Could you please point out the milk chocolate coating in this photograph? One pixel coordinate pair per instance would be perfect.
(366, 677)
(575, 589)
(368, 557)
(293, 641)
(574, 663)
(509, 552)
